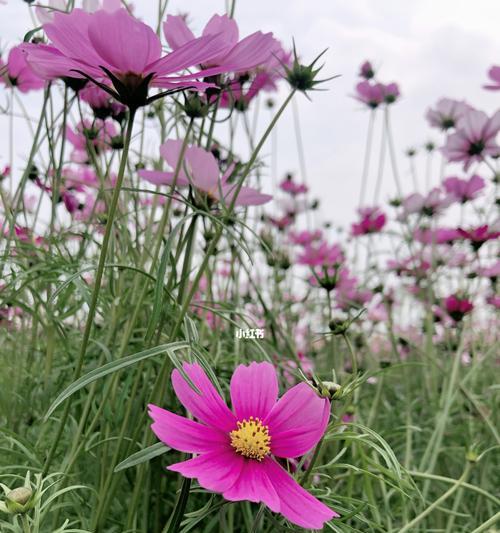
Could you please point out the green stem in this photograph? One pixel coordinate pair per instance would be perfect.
(483, 527)
(438, 502)
(97, 285)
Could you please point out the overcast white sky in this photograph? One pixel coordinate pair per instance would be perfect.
(431, 48)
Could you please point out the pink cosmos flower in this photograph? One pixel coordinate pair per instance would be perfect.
(348, 292)
(292, 187)
(250, 52)
(304, 238)
(282, 222)
(494, 75)
(457, 307)
(464, 190)
(102, 103)
(478, 236)
(321, 254)
(447, 113)
(18, 73)
(371, 94)
(391, 92)
(114, 47)
(436, 236)
(90, 209)
(236, 449)
(98, 133)
(372, 221)
(431, 204)
(474, 139)
(366, 70)
(203, 174)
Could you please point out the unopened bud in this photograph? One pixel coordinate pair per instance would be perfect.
(19, 501)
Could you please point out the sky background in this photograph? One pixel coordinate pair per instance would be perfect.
(432, 49)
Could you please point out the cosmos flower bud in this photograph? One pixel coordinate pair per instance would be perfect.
(331, 390)
(19, 501)
(339, 327)
(304, 77)
(194, 106)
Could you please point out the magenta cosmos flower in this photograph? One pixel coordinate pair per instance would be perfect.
(464, 190)
(474, 139)
(113, 47)
(18, 73)
(478, 236)
(372, 220)
(201, 170)
(292, 187)
(236, 449)
(446, 113)
(457, 307)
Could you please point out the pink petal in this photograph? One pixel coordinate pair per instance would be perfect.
(48, 62)
(251, 51)
(69, 33)
(183, 434)
(254, 390)
(247, 196)
(208, 406)
(254, 485)
(192, 53)
(156, 177)
(297, 422)
(204, 170)
(217, 470)
(176, 31)
(296, 504)
(124, 42)
(225, 26)
(170, 150)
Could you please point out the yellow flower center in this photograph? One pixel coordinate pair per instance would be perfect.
(251, 439)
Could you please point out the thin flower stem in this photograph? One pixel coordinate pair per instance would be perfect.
(392, 152)
(367, 158)
(433, 449)
(486, 525)
(352, 353)
(26, 524)
(11, 216)
(410, 525)
(97, 285)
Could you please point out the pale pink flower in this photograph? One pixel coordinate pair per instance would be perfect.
(113, 47)
(464, 190)
(201, 170)
(474, 139)
(18, 73)
(446, 113)
(431, 204)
